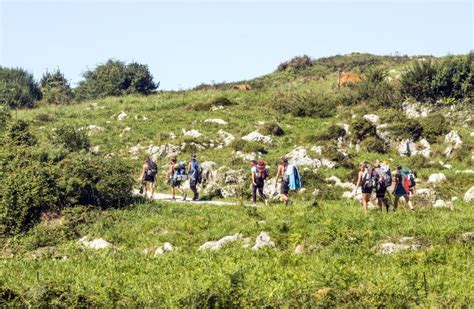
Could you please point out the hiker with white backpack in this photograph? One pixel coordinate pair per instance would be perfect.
(177, 173)
(148, 176)
(259, 174)
(195, 176)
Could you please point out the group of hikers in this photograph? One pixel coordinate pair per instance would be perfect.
(377, 176)
(179, 171)
(371, 177)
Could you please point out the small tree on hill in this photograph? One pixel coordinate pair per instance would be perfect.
(18, 88)
(56, 88)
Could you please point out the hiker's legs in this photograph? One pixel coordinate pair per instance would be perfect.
(260, 185)
(395, 202)
(193, 187)
(365, 200)
(254, 193)
(407, 199)
(380, 203)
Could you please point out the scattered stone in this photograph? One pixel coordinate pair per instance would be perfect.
(300, 157)
(93, 129)
(316, 192)
(317, 149)
(246, 156)
(390, 248)
(453, 138)
(193, 133)
(95, 149)
(217, 245)
(122, 116)
(441, 204)
(216, 121)
(226, 136)
(299, 249)
(467, 236)
(135, 151)
(469, 196)
(371, 117)
(415, 110)
(95, 244)
(454, 199)
(166, 247)
(436, 177)
(257, 137)
(162, 151)
(426, 151)
(263, 240)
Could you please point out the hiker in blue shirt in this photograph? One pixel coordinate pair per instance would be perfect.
(195, 176)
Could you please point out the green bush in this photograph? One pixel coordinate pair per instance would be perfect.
(18, 88)
(71, 138)
(18, 134)
(333, 132)
(115, 78)
(56, 88)
(400, 126)
(295, 64)
(452, 77)
(373, 144)
(303, 104)
(272, 129)
(5, 116)
(377, 91)
(207, 106)
(362, 128)
(103, 183)
(246, 146)
(434, 126)
(27, 190)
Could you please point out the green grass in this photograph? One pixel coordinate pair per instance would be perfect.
(339, 243)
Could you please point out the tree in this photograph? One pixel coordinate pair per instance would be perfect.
(115, 78)
(18, 88)
(56, 88)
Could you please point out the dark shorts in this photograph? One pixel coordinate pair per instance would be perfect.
(285, 187)
(367, 190)
(149, 178)
(380, 193)
(176, 183)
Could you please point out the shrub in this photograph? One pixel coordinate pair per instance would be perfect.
(56, 88)
(417, 81)
(5, 116)
(401, 127)
(103, 183)
(43, 117)
(373, 144)
(18, 88)
(272, 129)
(305, 104)
(434, 126)
(18, 134)
(71, 138)
(295, 64)
(332, 153)
(333, 132)
(25, 192)
(362, 128)
(115, 78)
(246, 146)
(217, 102)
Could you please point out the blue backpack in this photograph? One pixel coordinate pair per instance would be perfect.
(196, 171)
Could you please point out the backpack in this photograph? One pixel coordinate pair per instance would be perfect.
(261, 170)
(180, 171)
(383, 177)
(196, 171)
(368, 179)
(152, 169)
(407, 179)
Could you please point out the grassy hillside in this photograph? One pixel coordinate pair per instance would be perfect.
(340, 264)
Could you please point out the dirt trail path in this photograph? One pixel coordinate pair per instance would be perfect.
(169, 198)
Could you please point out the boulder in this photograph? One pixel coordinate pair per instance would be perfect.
(95, 149)
(263, 240)
(469, 196)
(166, 247)
(299, 156)
(95, 244)
(218, 244)
(122, 116)
(467, 236)
(93, 129)
(162, 151)
(440, 204)
(415, 110)
(454, 139)
(227, 138)
(192, 133)
(426, 151)
(257, 137)
(436, 177)
(216, 121)
(402, 245)
(372, 118)
(407, 148)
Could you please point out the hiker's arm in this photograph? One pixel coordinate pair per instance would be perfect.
(277, 176)
(142, 173)
(253, 179)
(358, 181)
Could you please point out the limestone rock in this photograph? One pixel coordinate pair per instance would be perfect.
(257, 137)
(407, 148)
(122, 116)
(218, 244)
(166, 247)
(469, 196)
(300, 157)
(436, 177)
(263, 240)
(95, 244)
(227, 138)
(216, 121)
(372, 118)
(192, 133)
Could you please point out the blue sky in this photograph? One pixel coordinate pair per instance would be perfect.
(185, 43)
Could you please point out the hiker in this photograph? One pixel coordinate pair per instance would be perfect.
(365, 180)
(284, 172)
(195, 176)
(177, 172)
(404, 183)
(147, 177)
(383, 180)
(259, 174)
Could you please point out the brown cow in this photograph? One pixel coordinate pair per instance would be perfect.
(349, 78)
(241, 87)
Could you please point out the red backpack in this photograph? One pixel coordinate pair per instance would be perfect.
(262, 171)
